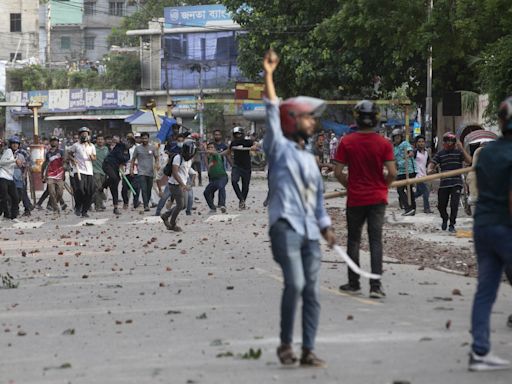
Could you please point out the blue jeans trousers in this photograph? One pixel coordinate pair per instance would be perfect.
(493, 245)
(213, 186)
(423, 191)
(300, 261)
(166, 194)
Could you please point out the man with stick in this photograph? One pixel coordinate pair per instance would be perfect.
(406, 169)
(450, 158)
(365, 153)
(493, 238)
(297, 216)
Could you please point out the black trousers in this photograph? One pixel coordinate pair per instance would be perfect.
(126, 191)
(402, 193)
(452, 195)
(8, 199)
(238, 173)
(112, 181)
(196, 166)
(373, 215)
(84, 192)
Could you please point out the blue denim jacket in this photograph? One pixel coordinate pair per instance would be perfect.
(295, 183)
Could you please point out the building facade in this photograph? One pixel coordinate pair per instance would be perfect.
(78, 30)
(19, 28)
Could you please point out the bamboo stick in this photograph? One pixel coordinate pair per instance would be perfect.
(404, 183)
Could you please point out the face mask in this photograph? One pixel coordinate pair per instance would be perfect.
(179, 145)
(83, 139)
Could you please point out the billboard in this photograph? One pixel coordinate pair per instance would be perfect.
(197, 16)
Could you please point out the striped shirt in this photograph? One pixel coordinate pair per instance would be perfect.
(449, 161)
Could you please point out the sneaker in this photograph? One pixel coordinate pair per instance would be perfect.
(410, 212)
(349, 288)
(85, 214)
(100, 209)
(223, 209)
(125, 206)
(39, 207)
(146, 209)
(26, 213)
(117, 211)
(509, 321)
(188, 213)
(63, 207)
(487, 362)
(428, 211)
(175, 228)
(309, 359)
(136, 205)
(212, 212)
(452, 229)
(444, 225)
(241, 204)
(377, 293)
(77, 212)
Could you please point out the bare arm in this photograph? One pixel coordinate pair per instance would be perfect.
(270, 62)
(391, 174)
(341, 176)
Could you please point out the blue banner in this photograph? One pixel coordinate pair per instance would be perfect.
(197, 16)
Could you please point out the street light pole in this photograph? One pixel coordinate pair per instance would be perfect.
(428, 107)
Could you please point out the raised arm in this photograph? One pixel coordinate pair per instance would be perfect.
(273, 132)
(270, 63)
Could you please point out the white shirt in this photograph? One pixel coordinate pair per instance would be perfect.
(185, 169)
(7, 165)
(129, 163)
(82, 157)
(421, 163)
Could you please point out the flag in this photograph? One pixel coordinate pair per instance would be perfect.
(165, 129)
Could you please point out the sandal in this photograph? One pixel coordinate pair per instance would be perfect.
(309, 359)
(286, 355)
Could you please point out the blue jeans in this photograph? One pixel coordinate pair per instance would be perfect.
(190, 201)
(493, 245)
(214, 186)
(423, 191)
(300, 261)
(165, 196)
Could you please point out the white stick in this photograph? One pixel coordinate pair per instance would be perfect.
(353, 266)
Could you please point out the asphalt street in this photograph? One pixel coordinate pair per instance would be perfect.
(124, 300)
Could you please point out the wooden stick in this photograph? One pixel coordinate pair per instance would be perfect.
(404, 183)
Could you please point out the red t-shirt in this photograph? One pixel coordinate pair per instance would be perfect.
(365, 154)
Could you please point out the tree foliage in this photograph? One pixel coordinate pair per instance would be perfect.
(122, 72)
(368, 48)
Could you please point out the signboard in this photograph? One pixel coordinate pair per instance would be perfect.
(249, 91)
(73, 100)
(197, 16)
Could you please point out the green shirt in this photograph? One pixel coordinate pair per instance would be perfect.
(216, 171)
(97, 164)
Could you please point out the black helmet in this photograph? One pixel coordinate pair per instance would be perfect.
(14, 140)
(366, 114)
(188, 150)
(238, 130)
(505, 115)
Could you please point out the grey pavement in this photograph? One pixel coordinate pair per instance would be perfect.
(123, 300)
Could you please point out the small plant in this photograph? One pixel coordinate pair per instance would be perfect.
(8, 281)
(253, 354)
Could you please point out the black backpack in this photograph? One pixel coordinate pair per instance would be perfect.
(168, 167)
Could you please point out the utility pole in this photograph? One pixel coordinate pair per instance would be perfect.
(428, 107)
(49, 35)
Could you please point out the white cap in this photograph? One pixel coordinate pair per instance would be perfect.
(136, 134)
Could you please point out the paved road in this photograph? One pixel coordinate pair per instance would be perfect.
(126, 301)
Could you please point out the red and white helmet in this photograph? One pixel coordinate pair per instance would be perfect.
(505, 115)
(291, 108)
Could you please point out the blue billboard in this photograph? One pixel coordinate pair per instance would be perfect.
(197, 16)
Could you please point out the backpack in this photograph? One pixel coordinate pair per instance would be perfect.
(168, 167)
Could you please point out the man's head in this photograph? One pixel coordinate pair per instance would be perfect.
(76, 138)
(449, 140)
(129, 134)
(54, 141)
(298, 116)
(217, 136)
(505, 116)
(180, 139)
(144, 138)
(84, 134)
(100, 140)
(14, 143)
(238, 132)
(366, 114)
(137, 137)
(397, 136)
(420, 142)
(130, 142)
(211, 148)
(320, 140)
(116, 139)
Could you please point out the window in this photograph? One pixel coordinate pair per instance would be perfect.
(15, 22)
(116, 8)
(65, 42)
(90, 7)
(15, 56)
(226, 48)
(176, 46)
(89, 42)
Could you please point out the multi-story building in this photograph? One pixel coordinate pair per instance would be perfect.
(79, 29)
(19, 27)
